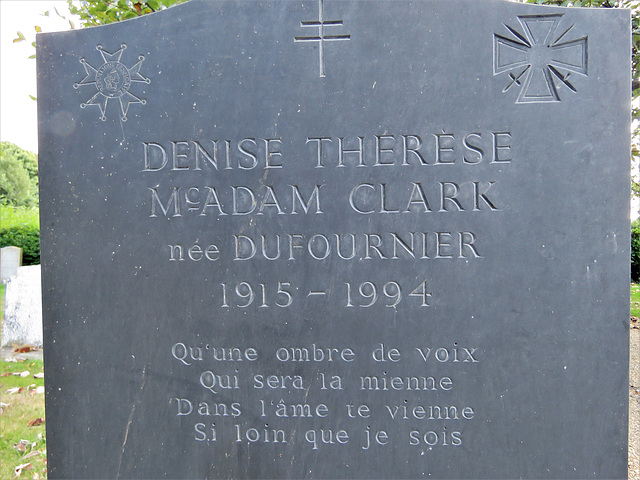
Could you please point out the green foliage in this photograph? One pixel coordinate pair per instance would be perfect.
(27, 238)
(635, 250)
(102, 12)
(18, 176)
(19, 217)
(29, 160)
(15, 187)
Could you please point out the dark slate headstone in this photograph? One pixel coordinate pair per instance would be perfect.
(337, 239)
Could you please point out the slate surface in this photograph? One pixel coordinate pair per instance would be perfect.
(433, 193)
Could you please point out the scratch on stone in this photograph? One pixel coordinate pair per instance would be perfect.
(124, 135)
(133, 411)
(504, 407)
(263, 180)
(295, 428)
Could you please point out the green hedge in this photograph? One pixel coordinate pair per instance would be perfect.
(27, 238)
(635, 251)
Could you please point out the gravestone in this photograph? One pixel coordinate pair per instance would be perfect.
(22, 323)
(10, 261)
(337, 239)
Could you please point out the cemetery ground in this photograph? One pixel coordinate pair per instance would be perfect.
(22, 416)
(22, 413)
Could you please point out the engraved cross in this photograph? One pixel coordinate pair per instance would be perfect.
(321, 23)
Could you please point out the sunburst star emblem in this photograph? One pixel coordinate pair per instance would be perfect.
(113, 81)
(539, 60)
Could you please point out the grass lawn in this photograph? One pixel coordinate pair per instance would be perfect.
(18, 217)
(22, 431)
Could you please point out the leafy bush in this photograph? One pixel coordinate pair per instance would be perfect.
(27, 238)
(18, 176)
(635, 251)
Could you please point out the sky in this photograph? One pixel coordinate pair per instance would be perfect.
(18, 122)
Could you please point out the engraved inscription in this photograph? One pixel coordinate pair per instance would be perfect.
(321, 37)
(113, 81)
(281, 403)
(537, 59)
(273, 394)
(365, 294)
